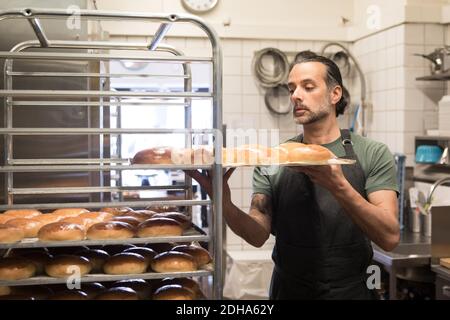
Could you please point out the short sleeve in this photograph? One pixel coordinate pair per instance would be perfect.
(382, 172)
(261, 182)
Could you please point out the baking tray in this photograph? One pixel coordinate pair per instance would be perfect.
(99, 277)
(193, 234)
(294, 164)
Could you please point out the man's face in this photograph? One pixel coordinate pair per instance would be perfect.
(309, 93)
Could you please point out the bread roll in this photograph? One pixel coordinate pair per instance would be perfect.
(16, 269)
(69, 212)
(147, 253)
(159, 155)
(116, 211)
(229, 155)
(130, 220)
(30, 227)
(162, 208)
(39, 258)
(125, 263)
(92, 289)
(91, 218)
(70, 295)
(117, 248)
(180, 217)
(61, 231)
(253, 154)
(160, 247)
(97, 258)
(4, 219)
(5, 290)
(141, 215)
(192, 156)
(159, 227)
(200, 255)
(48, 218)
(173, 261)
(118, 293)
(278, 155)
(173, 292)
(299, 152)
(10, 234)
(66, 265)
(184, 282)
(110, 230)
(141, 287)
(23, 213)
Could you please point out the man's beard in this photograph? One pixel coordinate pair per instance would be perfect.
(311, 117)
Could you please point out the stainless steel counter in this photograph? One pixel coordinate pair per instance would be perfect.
(414, 250)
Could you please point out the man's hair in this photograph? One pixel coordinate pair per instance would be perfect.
(333, 76)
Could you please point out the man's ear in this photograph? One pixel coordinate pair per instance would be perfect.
(336, 94)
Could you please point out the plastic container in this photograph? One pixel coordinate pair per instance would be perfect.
(428, 154)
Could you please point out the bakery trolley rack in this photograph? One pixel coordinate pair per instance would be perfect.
(48, 50)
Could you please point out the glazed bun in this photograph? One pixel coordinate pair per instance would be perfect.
(299, 152)
(147, 253)
(141, 215)
(91, 218)
(92, 289)
(110, 230)
(16, 269)
(200, 255)
(253, 154)
(61, 231)
(125, 263)
(160, 247)
(48, 218)
(141, 287)
(97, 258)
(159, 227)
(118, 293)
(4, 219)
(162, 208)
(66, 265)
(10, 234)
(184, 282)
(69, 212)
(23, 213)
(173, 261)
(180, 217)
(70, 295)
(116, 211)
(113, 249)
(192, 156)
(39, 258)
(173, 292)
(159, 155)
(130, 220)
(30, 227)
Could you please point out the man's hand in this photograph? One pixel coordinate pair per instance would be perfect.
(205, 181)
(330, 177)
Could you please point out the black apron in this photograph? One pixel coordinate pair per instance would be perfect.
(319, 252)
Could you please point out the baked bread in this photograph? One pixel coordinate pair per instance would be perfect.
(180, 217)
(141, 215)
(110, 230)
(97, 258)
(113, 249)
(299, 152)
(200, 255)
(130, 220)
(39, 259)
(13, 268)
(48, 218)
(10, 234)
(159, 155)
(62, 231)
(141, 287)
(159, 227)
(173, 261)
(147, 253)
(92, 289)
(23, 213)
(162, 208)
(184, 282)
(69, 212)
(30, 227)
(173, 292)
(4, 218)
(118, 293)
(66, 265)
(116, 210)
(125, 263)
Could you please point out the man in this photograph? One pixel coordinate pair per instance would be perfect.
(323, 217)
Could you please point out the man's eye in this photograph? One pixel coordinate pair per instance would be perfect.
(309, 88)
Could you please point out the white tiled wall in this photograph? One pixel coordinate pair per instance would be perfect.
(402, 107)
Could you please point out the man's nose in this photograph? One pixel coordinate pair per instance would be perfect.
(297, 95)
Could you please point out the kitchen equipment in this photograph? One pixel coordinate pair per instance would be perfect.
(426, 224)
(428, 154)
(414, 211)
(437, 58)
(278, 99)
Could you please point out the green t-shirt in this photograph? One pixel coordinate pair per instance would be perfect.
(375, 158)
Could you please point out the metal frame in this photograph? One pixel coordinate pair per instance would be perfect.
(33, 15)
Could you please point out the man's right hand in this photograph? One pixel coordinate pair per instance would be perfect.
(205, 181)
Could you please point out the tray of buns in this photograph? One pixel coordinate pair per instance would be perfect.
(293, 164)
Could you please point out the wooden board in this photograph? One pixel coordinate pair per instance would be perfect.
(445, 262)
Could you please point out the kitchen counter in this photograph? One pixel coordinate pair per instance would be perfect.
(413, 250)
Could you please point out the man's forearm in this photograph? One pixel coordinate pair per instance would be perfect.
(380, 226)
(244, 225)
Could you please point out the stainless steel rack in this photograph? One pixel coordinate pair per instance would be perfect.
(98, 51)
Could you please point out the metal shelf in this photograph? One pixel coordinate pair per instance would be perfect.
(188, 236)
(106, 278)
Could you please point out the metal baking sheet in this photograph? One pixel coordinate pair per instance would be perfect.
(294, 164)
(40, 280)
(188, 236)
